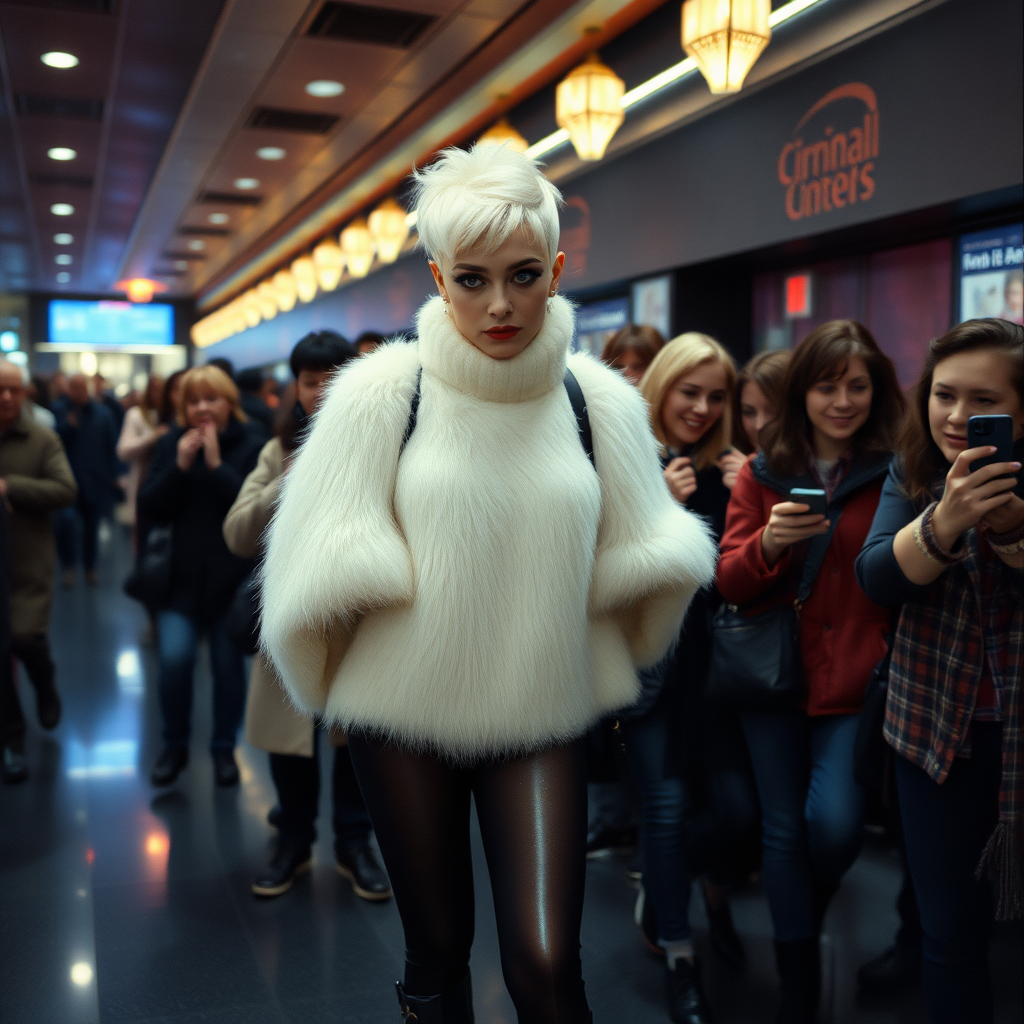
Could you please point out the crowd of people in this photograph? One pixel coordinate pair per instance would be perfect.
(475, 580)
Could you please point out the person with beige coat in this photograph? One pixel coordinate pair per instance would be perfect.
(35, 480)
(272, 721)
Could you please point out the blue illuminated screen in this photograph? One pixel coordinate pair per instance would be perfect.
(75, 322)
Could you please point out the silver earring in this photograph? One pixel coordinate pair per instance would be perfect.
(447, 312)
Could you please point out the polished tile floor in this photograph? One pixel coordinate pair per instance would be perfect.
(125, 906)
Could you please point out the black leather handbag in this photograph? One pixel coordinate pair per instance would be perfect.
(756, 663)
(149, 582)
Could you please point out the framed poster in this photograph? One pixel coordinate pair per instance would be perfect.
(991, 274)
(652, 304)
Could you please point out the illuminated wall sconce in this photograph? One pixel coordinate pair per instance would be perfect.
(725, 38)
(389, 227)
(503, 134)
(588, 105)
(329, 264)
(357, 245)
(304, 274)
(284, 288)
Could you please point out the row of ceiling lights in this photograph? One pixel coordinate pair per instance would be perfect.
(723, 37)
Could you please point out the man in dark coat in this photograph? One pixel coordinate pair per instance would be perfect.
(261, 416)
(90, 439)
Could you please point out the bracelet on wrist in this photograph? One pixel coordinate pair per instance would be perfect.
(924, 537)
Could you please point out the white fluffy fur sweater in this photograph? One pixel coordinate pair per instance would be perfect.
(487, 592)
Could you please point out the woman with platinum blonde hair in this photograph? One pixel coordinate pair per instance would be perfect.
(465, 575)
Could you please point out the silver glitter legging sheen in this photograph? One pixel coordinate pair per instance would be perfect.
(533, 819)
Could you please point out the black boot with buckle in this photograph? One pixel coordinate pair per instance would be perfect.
(452, 1007)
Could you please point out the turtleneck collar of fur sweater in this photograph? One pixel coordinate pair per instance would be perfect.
(537, 370)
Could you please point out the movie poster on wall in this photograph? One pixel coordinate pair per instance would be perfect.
(992, 274)
(652, 304)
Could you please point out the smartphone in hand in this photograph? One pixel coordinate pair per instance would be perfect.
(813, 496)
(991, 430)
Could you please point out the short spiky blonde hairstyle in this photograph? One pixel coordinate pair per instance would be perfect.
(208, 378)
(679, 357)
(481, 197)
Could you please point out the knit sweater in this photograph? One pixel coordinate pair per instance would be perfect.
(484, 591)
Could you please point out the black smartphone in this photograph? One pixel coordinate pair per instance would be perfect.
(991, 430)
(813, 496)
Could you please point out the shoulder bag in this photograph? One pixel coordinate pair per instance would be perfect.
(149, 582)
(756, 663)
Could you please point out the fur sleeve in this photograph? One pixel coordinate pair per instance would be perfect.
(335, 550)
(652, 554)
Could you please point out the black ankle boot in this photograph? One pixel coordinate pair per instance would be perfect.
(799, 965)
(684, 993)
(452, 1007)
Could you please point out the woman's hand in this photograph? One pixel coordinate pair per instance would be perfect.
(970, 497)
(789, 523)
(681, 479)
(188, 448)
(730, 464)
(211, 445)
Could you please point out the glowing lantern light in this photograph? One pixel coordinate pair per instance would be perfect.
(503, 134)
(284, 287)
(389, 226)
(268, 299)
(329, 263)
(140, 289)
(251, 307)
(236, 309)
(304, 274)
(725, 38)
(588, 106)
(357, 245)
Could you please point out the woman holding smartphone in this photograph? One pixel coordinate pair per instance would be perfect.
(835, 433)
(947, 544)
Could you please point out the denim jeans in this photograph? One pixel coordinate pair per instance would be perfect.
(178, 642)
(945, 828)
(297, 780)
(65, 529)
(812, 810)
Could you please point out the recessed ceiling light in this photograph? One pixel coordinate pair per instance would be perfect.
(62, 209)
(181, 264)
(270, 153)
(323, 87)
(61, 153)
(81, 973)
(63, 277)
(218, 218)
(59, 59)
(64, 259)
(63, 238)
(196, 244)
(247, 183)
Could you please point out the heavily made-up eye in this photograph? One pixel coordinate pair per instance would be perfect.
(469, 280)
(526, 276)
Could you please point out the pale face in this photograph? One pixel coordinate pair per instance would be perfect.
(632, 365)
(498, 300)
(838, 408)
(12, 395)
(310, 387)
(205, 406)
(756, 412)
(970, 384)
(695, 403)
(1014, 296)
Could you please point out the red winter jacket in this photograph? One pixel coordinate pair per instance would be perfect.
(842, 633)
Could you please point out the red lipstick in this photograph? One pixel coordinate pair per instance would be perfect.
(502, 333)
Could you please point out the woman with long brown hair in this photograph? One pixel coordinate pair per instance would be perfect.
(835, 432)
(631, 349)
(947, 545)
(758, 397)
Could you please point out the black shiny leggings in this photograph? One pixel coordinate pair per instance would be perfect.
(533, 819)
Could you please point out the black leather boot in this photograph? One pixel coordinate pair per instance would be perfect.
(358, 863)
(725, 940)
(684, 994)
(799, 965)
(169, 766)
(452, 1007)
(289, 861)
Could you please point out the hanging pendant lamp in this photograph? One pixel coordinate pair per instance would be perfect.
(304, 274)
(588, 106)
(284, 287)
(251, 307)
(390, 228)
(725, 38)
(503, 134)
(357, 245)
(268, 299)
(329, 263)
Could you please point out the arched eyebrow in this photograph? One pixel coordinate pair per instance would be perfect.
(473, 268)
(970, 391)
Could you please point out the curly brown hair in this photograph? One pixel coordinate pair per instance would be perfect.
(921, 458)
(825, 354)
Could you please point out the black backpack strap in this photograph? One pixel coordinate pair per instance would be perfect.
(413, 412)
(579, 407)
